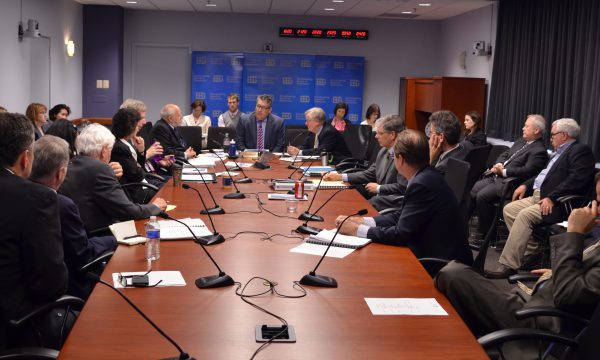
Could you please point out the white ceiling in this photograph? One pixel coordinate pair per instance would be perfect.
(385, 9)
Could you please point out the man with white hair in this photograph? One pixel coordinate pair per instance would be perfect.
(165, 131)
(569, 172)
(92, 184)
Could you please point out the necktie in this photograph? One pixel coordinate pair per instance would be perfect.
(179, 137)
(513, 155)
(260, 139)
(316, 144)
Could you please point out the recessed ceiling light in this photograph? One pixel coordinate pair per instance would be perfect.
(329, 9)
(131, 2)
(338, 1)
(407, 12)
(425, 4)
(208, 3)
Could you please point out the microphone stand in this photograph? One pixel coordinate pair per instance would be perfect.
(213, 281)
(246, 179)
(216, 210)
(305, 228)
(292, 166)
(306, 215)
(237, 194)
(215, 238)
(182, 355)
(312, 279)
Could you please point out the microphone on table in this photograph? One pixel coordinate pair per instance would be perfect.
(304, 228)
(292, 166)
(306, 215)
(211, 239)
(312, 279)
(182, 354)
(237, 167)
(214, 210)
(234, 195)
(212, 281)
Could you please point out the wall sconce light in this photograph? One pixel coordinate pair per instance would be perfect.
(70, 48)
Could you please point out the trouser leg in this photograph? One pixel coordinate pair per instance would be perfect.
(520, 216)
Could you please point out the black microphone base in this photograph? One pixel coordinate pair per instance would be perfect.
(312, 279)
(243, 181)
(310, 217)
(214, 239)
(217, 210)
(235, 195)
(305, 229)
(235, 168)
(293, 167)
(214, 281)
(183, 356)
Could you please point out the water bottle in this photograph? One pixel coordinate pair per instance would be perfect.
(152, 239)
(226, 142)
(232, 148)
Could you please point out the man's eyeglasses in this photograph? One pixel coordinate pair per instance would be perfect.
(128, 280)
(260, 107)
(556, 133)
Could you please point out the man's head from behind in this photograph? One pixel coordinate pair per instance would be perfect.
(16, 143)
(136, 105)
(445, 124)
(387, 129)
(50, 161)
(95, 141)
(534, 128)
(411, 151)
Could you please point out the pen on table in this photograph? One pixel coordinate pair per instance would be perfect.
(132, 236)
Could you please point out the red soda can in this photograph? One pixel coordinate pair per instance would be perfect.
(299, 190)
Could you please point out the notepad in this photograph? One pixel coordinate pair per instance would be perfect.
(280, 196)
(172, 230)
(125, 233)
(199, 177)
(330, 184)
(346, 241)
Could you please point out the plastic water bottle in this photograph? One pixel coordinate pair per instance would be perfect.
(152, 239)
(226, 142)
(232, 148)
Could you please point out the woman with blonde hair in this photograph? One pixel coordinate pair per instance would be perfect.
(36, 113)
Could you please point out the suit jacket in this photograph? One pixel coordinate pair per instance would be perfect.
(78, 248)
(478, 138)
(330, 140)
(33, 271)
(429, 221)
(459, 152)
(527, 162)
(92, 185)
(274, 139)
(133, 169)
(571, 174)
(170, 139)
(382, 172)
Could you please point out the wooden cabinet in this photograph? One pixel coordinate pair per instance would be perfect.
(419, 97)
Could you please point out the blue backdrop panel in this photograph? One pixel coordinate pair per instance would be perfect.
(214, 76)
(340, 79)
(288, 78)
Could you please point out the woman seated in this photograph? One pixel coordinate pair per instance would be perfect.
(339, 122)
(36, 113)
(196, 118)
(373, 113)
(473, 133)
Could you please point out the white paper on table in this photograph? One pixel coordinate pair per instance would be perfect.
(316, 249)
(230, 164)
(202, 161)
(169, 278)
(197, 177)
(224, 173)
(193, 171)
(299, 158)
(405, 306)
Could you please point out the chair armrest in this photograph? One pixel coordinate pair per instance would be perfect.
(97, 232)
(502, 336)
(568, 198)
(353, 170)
(102, 258)
(65, 300)
(389, 210)
(155, 176)
(29, 353)
(528, 277)
(140, 184)
(549, 311)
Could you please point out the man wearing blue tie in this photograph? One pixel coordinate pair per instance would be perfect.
(260, 129)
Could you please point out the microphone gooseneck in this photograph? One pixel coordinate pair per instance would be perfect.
(182, 355)
(306, 215)
(246, 179)
(208, 240)
(214, 210)
(237, 194)
(304, 228)
(212, 281)
(292, 166)
(312, 279)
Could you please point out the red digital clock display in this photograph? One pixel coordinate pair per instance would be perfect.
(323, 33)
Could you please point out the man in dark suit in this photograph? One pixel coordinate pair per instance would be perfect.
(569, 172)
(92, 184)
(260, 129)
(571, 285)
(526, 158)
(31, 254)
(444, 140)
(382, 181)
(429, 221)
(49, 169)
(165, 131)
(322, 138)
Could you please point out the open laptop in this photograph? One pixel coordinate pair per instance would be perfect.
(192, 136)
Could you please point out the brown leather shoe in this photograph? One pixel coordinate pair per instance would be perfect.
(502, 272)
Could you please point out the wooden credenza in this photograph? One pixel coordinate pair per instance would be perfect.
(419, 97)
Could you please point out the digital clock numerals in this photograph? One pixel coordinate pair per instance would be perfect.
(324, 33)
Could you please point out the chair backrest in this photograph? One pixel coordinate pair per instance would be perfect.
(372, 148)
(495, 151)
(293, 135)
(477, 158)
(216, 136)
(589, 347)
(144, 133)
(457, 172)
(357, 139)
(192, 136)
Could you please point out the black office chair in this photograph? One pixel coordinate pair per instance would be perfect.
(456, 176)
(495, 151)
(140, 192)
(144, 133)
(293, 135)
(192, 136)
(357, 139)
(477, 158)
(216, 135)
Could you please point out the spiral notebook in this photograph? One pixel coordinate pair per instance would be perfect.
(330, 184)
(346, 241)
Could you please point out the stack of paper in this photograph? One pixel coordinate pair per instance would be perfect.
(347, 241)
(172, 230)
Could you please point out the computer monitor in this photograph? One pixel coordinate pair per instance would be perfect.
(216, 136)
(192, 136)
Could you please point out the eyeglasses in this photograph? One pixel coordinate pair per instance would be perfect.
(556, 133)
(125, 280)
(260, 107)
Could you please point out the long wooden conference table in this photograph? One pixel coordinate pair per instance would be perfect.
(330, 323)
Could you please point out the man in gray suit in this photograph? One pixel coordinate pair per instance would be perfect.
(92, 185)
(260, 129)
(381, 180)
(571, 285)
